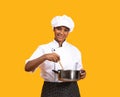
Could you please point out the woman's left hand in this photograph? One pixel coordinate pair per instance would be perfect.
(82, 74)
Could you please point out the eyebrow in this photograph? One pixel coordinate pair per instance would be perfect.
(66, 28)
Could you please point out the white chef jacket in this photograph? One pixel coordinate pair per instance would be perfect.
(70, 58)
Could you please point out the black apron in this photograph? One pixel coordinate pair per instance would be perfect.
(63, 89)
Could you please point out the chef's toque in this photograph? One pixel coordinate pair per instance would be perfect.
(63, 21)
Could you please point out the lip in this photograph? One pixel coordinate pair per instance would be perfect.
(60, 37)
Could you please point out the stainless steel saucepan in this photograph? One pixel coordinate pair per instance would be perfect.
(68, 75)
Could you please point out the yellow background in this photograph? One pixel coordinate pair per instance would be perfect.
(25, 24)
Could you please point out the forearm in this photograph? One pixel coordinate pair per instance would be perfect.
(33, 64)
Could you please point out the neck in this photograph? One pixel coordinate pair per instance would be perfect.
(60, 43)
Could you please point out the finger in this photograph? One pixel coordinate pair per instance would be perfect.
(55, 60)
(82, 76)
(56, 57)
(83, 73)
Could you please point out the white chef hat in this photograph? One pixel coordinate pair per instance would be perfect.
(63, 21)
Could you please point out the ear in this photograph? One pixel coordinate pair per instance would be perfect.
(54, 29)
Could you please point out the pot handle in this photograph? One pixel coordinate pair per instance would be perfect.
(55, 71)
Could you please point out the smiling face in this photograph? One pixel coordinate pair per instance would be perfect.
(61, 34)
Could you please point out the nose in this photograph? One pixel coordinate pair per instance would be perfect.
(61, 31)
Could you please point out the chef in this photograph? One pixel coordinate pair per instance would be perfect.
(51, 56)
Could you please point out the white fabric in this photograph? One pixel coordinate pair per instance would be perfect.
(70, 58)
(63, 21)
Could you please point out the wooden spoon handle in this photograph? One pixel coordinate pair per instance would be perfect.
(60, 65)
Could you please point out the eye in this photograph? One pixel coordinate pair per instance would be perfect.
(66, 30)
(58, 28)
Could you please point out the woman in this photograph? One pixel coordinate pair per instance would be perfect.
(48, 56)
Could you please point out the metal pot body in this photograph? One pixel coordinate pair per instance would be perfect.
(69, 75)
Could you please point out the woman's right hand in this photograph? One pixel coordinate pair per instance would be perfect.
(52, 57)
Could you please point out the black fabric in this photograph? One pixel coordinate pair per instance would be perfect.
(64, 89)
